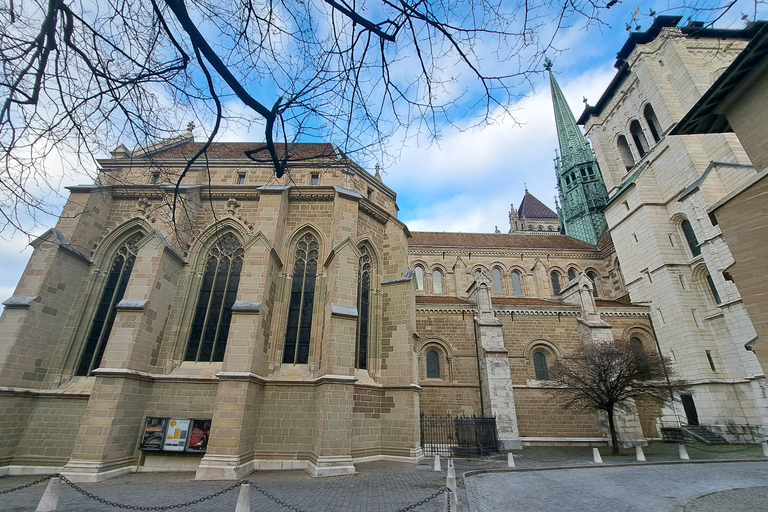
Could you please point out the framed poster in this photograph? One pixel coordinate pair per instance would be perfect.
(176, 434)
(200, 431)
(154, 434)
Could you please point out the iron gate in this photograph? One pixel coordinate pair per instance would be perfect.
(462, 436)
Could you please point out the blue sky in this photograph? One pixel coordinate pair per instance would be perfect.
(467, 180)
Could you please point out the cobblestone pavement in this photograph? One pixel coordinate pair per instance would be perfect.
(390, 486)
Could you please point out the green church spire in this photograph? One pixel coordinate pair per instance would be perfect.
(580, 185)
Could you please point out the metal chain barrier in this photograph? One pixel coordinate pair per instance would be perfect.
(276, 500)
(137, 507)
(46, 477)
(425, 500)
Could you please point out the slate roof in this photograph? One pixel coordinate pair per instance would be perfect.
(497, 301)
(532, 208)
(298, 151)
(496, 241)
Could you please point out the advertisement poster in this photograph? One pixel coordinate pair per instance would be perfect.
(176, 434)
(198, 437)
(154, 434)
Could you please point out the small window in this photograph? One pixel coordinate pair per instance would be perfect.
(437, 282)
(419, 278)
(497, 284)
(713, 289)
(241, 178)
(690, 237)
(433, 365)
(517, 289)
(315, 180)
(155, 178)
(540, 366)
(625, 152)
(711, 361)
(571, 274)
(555, 277)
(370, 194)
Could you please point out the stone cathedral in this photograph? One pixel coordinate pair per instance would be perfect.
(296, 323)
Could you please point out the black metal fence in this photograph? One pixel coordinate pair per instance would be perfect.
(462, 436)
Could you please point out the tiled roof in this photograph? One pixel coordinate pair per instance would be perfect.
(497, 301)
(532, 208)
(442, 299)
(496, 241)
(298, 151)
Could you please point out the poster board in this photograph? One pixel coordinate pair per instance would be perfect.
(176, 434)
(200, 431)
(154, 434)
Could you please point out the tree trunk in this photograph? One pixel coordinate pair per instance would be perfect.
(614, 436)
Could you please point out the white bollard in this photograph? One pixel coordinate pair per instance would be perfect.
(452, 497)
(596, 456)
(50, 500)
(244, 499)
(510, 460)
(683, 452)
(436, 466)
(639, 453)
(765, 448)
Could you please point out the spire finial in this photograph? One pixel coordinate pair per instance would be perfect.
(547, 63)
(378, 172)
(526, 187)
(190, 126)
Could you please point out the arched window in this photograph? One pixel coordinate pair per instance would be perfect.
(555, 277)
(713, 289)
(517, 288)
(433, 365)
(625, 152)
(437, 282)
(541, 228)
(117, 282)
(498, 287)
(419, 278)
(639, 137)
(593, 277)
(690, 237)
(210, 327)
(540, 366)
(617, 269)
(571, 274)
(653, 122)
(299, 328)
(363, 309)
(641, 359)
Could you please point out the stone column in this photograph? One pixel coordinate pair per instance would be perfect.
(495, 375)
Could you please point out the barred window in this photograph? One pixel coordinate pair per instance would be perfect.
(363, 309)
(210, 327)
(117, 282)
(299, 328)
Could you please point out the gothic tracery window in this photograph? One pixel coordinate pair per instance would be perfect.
(299, 328)
(363, 309)
(117, 282)
(213, 314)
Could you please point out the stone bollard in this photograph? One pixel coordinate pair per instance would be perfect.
(765, 448)
(683, 452)
(436, 466)
(510, 460)
(639, 453)
(451, 480)
(596, 456)
(50, 500)
(244, 499)
(451, 503)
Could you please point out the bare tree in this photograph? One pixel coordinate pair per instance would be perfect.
(611, 376)
(81, 77)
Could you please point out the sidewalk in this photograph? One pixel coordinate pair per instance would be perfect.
(390, 486)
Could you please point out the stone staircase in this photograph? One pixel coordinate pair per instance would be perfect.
(692, 434)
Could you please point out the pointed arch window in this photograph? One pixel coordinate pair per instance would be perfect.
(540, 366)
(117, 282)
(419, 277)
(437, 282)
(213, 314)
(653, 122)
(517, 288)
(498, 286)
(690, 237)
(555, 278)
(299, 328)
(625, 152)
(433, 365)
(363, 309)
(639, 137)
